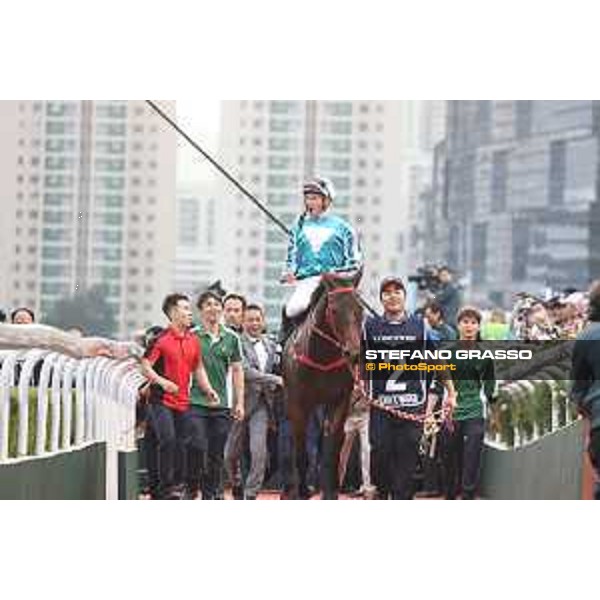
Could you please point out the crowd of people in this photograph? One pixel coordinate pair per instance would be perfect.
(230, 424)
(213, 410)
(562, 316)
(236, 424)
(19, 316)
(196, 433)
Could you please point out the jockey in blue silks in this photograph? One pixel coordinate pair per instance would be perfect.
(320, 242)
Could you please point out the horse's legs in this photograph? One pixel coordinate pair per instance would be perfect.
(298, 419)
(332, 444)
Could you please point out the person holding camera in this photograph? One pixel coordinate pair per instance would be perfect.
(448, 295)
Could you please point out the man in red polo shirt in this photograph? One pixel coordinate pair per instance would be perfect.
(169, 365)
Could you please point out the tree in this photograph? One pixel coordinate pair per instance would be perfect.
(87, 310)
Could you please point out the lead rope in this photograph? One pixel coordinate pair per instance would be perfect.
(432, 423)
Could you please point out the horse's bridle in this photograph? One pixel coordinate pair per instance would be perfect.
(334, 339)
(329, 318)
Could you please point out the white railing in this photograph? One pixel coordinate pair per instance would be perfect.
(77, 402)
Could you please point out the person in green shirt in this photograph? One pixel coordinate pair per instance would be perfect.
(496, 328)
(210, 421)
(464, 438)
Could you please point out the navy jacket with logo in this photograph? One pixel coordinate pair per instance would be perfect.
(403, 390)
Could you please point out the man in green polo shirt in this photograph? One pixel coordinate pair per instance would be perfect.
(209, 421)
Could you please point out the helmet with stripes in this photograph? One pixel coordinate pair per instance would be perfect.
(321, 186)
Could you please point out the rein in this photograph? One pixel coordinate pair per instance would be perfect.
(340, 362)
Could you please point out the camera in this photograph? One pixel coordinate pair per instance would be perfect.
(426, 278)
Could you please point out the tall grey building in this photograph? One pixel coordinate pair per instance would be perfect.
(423, 128)
(519, 195)
(88, 196)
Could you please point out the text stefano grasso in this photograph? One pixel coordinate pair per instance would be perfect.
(497, 354)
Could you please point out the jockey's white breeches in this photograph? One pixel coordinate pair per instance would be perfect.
(300, 298)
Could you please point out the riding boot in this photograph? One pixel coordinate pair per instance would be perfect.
(287, 327)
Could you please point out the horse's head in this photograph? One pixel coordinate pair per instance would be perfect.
(344, 312)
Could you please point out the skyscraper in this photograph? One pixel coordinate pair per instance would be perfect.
(89, 188)
(521, 194)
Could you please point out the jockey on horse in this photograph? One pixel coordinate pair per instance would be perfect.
(320, 242)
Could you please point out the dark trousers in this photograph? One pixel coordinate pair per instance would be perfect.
(168, 437)
(432, 473)
(284, 453)
(463, 447)
(150, 459)
(594, 452)
(147, 448)
(394, 453)
(206, 449)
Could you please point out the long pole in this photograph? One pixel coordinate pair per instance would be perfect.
(233, 180)
(219, 168)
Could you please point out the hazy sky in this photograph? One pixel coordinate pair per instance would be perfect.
(200, 119)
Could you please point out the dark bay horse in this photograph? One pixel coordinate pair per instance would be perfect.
(319, 363)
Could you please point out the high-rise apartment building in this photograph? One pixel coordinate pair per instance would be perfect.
(196, 240)
(88, 196)
(272, 146)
